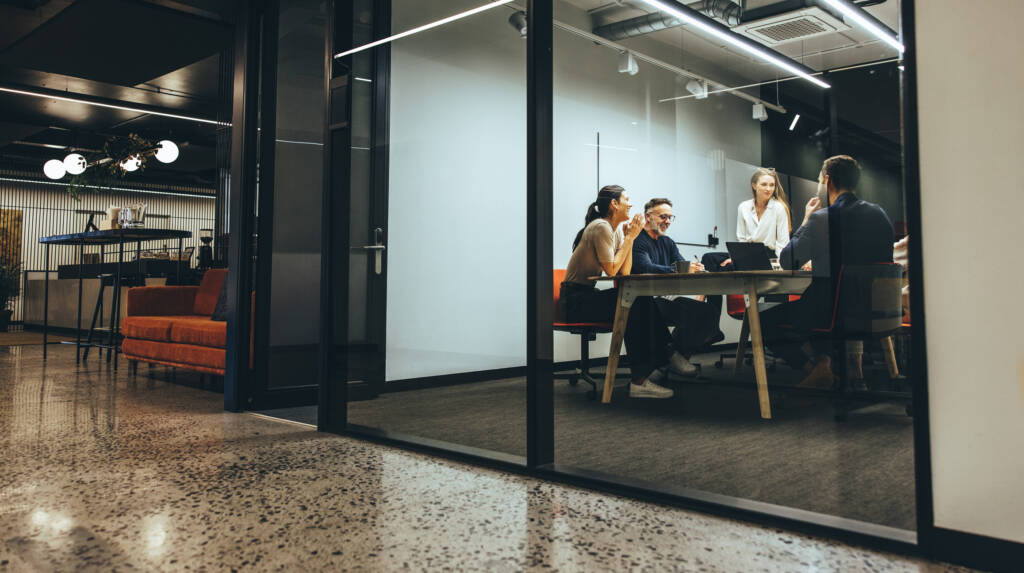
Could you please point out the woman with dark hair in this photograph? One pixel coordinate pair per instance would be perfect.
(605, 245)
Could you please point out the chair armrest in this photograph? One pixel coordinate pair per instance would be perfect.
(161, 300)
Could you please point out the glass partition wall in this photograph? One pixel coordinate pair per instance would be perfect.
(429, 188)
(431, 164)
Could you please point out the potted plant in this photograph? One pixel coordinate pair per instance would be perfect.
(10, 286)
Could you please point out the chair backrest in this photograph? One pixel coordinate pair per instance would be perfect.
(558, 275)
(735, 305)
(868, 298)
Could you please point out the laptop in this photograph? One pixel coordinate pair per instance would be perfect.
(749, 256)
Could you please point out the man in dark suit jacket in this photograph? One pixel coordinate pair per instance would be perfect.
(849, 231)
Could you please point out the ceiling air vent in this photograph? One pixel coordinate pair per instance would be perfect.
(791, 26)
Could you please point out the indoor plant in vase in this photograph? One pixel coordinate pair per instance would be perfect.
(10, 286)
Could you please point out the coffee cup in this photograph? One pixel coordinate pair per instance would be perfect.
(682, 266)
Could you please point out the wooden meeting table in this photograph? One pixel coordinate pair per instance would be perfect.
(751, 283)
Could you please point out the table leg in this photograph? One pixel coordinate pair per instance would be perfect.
(757, 346)
(46, 297)
(78, 326)
(115, 327)
(178, 266)
(741, 346)
(618, 333)
(890, 357)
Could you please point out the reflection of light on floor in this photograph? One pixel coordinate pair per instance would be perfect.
(52, 523)
(154, 534)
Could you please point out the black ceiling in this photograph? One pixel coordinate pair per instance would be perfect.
(117, 41)
(161, 53)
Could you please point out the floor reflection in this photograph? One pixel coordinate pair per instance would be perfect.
(102, 472)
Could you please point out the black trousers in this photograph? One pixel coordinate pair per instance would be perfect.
(646, 337)
(695, 322)
(787, 343)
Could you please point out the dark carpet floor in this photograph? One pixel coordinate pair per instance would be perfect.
(708, 437)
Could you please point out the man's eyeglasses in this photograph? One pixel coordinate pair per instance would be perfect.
(667, 218)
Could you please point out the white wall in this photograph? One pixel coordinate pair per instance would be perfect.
(457, 205)
(972, 139)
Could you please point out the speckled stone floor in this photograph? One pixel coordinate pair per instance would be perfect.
(99, 472)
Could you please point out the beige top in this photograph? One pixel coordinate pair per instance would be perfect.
(598, 245)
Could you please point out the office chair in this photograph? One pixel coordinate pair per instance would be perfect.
(736, 307)
(867, 307)
(587, 332)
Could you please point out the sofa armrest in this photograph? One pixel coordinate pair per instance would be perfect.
(161, 300)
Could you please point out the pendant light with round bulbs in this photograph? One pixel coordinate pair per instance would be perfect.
(54, 169)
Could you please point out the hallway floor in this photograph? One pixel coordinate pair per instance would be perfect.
(102, 472)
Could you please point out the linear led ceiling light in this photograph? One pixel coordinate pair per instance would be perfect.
(689, 16)
(110, 106)
(424, 27)
(795, 119)
(863, 20)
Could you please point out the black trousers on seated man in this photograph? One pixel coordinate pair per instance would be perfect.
(785, 329)
(695, 322)
(646, 336)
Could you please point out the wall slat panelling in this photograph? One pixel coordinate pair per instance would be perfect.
(47, 209)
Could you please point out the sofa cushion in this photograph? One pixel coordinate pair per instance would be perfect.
(209, 290)
(177, 354)
(147, 327)
(200, 331)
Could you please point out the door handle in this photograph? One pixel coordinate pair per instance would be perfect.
(378, 250)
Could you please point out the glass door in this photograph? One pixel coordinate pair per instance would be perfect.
(291, 143)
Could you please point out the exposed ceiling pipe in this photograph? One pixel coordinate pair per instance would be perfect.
(725, 10)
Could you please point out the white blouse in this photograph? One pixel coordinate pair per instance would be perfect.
(772, 229)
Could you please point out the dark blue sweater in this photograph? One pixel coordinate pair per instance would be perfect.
(653, 257)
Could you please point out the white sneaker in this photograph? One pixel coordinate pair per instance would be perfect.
(649, 390)
(680, 365)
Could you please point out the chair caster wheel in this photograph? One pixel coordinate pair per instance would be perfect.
(910, 411)
(574, 381)
(719, 364)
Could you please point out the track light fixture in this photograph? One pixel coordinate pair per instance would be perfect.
(627, 64)
(518, 21)
(698, 89)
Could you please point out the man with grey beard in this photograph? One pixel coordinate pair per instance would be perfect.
(654, 252)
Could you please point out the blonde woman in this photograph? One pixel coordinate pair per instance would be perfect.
(764, 218)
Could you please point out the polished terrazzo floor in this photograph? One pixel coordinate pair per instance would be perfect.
(100, 472)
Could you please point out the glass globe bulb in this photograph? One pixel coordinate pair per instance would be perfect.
(167, 151)
(75, 164)
(131, 164)
(54, 169)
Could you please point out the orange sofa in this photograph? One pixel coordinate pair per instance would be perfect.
(171, 325)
